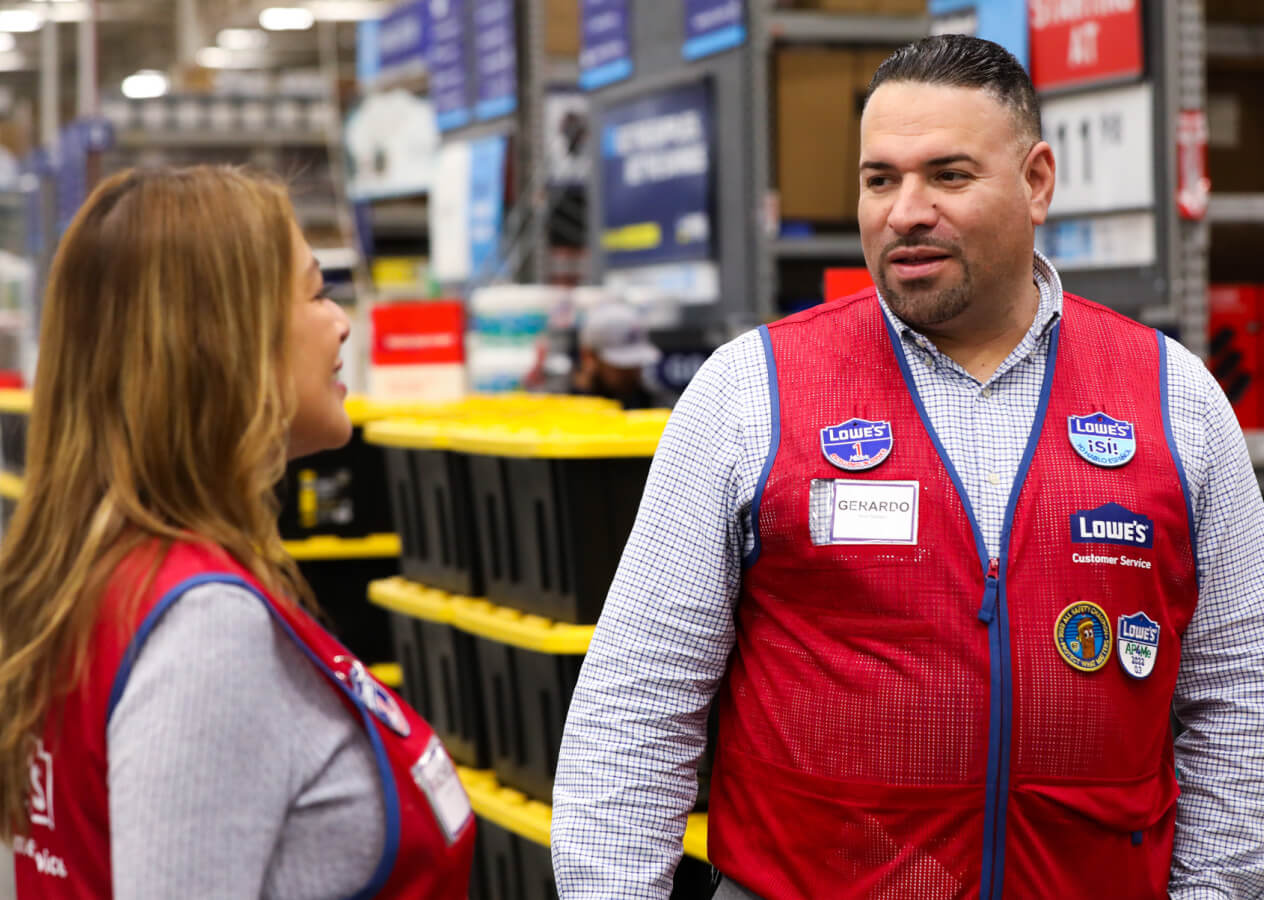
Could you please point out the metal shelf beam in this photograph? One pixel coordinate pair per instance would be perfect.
(840, 246)
(137, 138)
(787, 26)
(1236, 209)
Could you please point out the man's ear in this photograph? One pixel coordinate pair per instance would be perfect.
(1039, 175)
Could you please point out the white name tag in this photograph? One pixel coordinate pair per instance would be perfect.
(436, 776)
(874, 512)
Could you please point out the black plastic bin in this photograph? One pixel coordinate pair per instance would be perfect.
(510, 867)
(340, 585)
(528, 694)
(338, 492)
(430, 502)
(554, 509)
(15, 410)
(439, 668)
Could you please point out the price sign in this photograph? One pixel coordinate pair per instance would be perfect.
(1103, 143)
(1084, 41)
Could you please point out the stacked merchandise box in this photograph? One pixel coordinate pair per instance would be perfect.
(335, 524)
(554, 493)
(438, 666)
(820, 93)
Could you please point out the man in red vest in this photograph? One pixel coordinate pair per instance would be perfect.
(944, 555)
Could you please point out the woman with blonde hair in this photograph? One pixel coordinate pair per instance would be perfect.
(175, 723)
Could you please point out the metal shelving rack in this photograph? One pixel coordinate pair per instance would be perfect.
(749, 252)
(524, 249)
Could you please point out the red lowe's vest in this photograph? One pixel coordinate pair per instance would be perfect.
(898, 720)
(66, 854)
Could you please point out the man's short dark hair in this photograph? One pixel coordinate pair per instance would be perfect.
(958, 60)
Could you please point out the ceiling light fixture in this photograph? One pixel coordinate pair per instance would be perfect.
(213, 57)
(242, 39)
(19, 20)
(286, 18)
(7, 42)
(145, 84)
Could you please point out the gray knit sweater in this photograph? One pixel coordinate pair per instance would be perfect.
(235, 771)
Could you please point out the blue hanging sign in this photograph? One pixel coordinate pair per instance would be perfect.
(449, 89)
(496, 58)
(656, 178)
(403, 41)
(605, 54)
(713, 26)
(487, 201)
(1001, 21)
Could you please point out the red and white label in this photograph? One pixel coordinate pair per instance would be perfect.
(1193, 186)
(1083, 42)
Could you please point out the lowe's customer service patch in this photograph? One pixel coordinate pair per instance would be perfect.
(1082, 636)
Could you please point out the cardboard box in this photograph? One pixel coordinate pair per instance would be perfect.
(1235, 118)
(820, 93)
(561, 28)
(1236, 347)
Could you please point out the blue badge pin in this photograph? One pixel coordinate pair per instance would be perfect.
(1082, 636)
(1138, 644)
(378, 700)
(1102, 440)
(857, 444)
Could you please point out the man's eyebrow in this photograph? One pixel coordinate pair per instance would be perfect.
(938, 161)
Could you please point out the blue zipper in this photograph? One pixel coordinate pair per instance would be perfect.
(993, 613)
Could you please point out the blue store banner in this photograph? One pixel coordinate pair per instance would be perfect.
(495, 58)
(449, 89)
(487, 201)
(605, 54)
(656, 178)
(403, 41)
(1001, 21)
(713, 26)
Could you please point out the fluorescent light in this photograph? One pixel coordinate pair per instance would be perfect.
(19, 20)
(349, 10)
(213, 57)
(242, 39)
(145, 84)
(286, 18)
(7, 42)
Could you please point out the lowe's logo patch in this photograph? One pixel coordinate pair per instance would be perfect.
(1101, 440)
(857, 444)
(1111, 523)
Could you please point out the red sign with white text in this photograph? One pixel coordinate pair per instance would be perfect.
(1082, 42)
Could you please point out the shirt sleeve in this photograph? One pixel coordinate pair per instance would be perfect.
(636, 728)
(223, 738)
(1219, 695)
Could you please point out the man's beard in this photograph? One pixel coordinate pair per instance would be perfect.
(926, 310)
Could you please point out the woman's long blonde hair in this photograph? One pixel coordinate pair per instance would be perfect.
(160, 413)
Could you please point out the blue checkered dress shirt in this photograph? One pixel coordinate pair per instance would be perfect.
(637, 722)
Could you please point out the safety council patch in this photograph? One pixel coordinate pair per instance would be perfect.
(1082, 636)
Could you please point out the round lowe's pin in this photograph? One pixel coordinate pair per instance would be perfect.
(857, 444)
(1082, 636)
(1102, 440)
(1138, 644)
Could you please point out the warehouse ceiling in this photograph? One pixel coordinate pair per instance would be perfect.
(166, 35)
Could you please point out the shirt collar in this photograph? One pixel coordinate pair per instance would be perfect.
(1048, 311)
